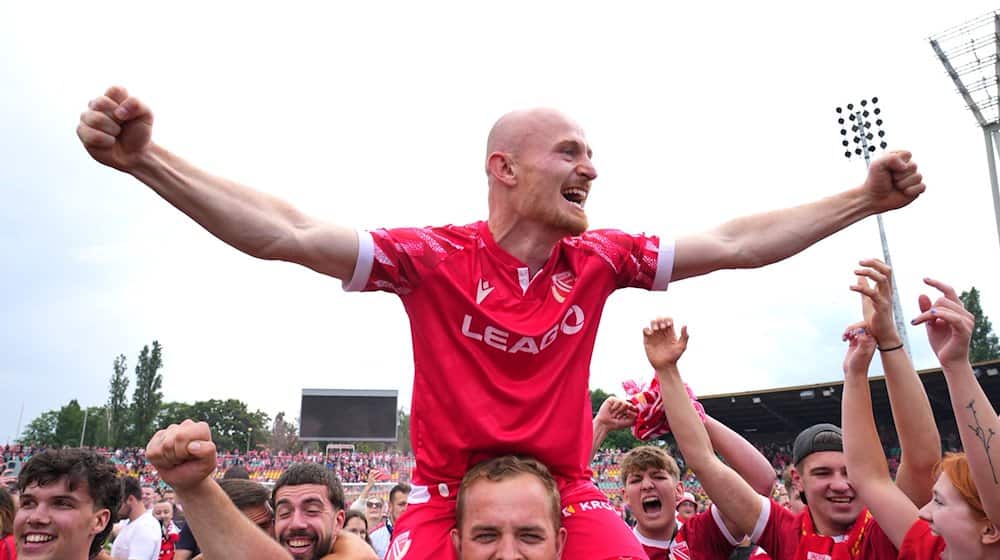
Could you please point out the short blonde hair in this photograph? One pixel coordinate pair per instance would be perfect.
(506, 467)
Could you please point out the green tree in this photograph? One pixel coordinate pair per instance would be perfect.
(284, 435)
(618, 439)
(403, 435)
(984, 344)
(41, 430)
(118, 409)
(69, 424)
(147, 398)
(233, 426)
(96, 430)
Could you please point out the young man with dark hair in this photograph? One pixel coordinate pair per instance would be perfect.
(381, 536)
(308, 510)
(69, 500)
(507, 507)
(140, 539)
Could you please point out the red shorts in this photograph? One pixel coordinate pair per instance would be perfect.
(595, 530)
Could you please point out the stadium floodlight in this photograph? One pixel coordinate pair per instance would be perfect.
(868, 136)
(807, 394)
(970, 53)
(756, 400)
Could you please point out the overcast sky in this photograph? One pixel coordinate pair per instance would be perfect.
(375, 114)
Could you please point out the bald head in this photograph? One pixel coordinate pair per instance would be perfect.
(516, 129)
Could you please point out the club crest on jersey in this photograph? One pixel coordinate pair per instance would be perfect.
(483, 289)
(400, 546)
(562, 285)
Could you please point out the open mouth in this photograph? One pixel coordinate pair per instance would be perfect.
(652, 505)
(841, 500)
(299, 545)
(576, 196)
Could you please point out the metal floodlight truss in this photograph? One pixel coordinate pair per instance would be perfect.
(970, 53)
(861, 135)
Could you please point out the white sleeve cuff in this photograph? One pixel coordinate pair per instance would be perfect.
(664, 265)
(363, 266)
(758, 529)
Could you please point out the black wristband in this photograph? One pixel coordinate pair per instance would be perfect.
(890, 349)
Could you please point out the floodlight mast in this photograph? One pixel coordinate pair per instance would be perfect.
(971, 55)
(865, 131)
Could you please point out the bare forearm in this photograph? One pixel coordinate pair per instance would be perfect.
(221, 530)
(979, 428)
(256, 223)
(743, 457)
(862, 448)
(737, 502)
(600, 434)
(866, 462)
(918, 434)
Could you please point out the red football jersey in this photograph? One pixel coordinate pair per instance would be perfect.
(701, 537)
(783, 534)
(501, 358)
(920, 544)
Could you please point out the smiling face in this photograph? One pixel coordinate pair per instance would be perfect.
(822, 478)
(305, 521)
(650, 494)
(545, 162)
(163, 512)
(56, 523)
(510, 518)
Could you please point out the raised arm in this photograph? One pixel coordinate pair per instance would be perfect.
(949, 330)
(919, 439)
(739, 505)
(866, 464)
(742, 456)
(116, 129)
(614, 414)
(762, 239)
(184, 457)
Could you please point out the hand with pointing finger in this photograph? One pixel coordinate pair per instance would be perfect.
(949, 325)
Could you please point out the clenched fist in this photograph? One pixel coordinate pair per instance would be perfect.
(116, 129)
(184, 454)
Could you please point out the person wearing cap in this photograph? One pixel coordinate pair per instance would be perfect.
(687, 507)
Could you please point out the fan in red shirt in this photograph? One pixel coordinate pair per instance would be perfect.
(503, 312)
(958, 521)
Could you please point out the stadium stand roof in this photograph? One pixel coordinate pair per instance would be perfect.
(779, 414)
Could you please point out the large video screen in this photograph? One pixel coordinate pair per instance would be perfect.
(348, 415)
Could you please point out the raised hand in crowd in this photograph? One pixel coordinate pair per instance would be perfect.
(920, 441)
(614, 414)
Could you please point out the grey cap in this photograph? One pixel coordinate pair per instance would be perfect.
(805, 443)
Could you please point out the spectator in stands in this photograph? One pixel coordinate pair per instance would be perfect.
(795, 503)
(163, 511)
(140, 538)
(687, 507)
(961, 518)
(69, 500)
(236, 472)
(185, 458)
(8, 548)
(380, 537)
(370, 505)
(149, 496)
(356, 522)
(507, 507)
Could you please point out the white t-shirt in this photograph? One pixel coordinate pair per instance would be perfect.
(139, 540)
(380, 540)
